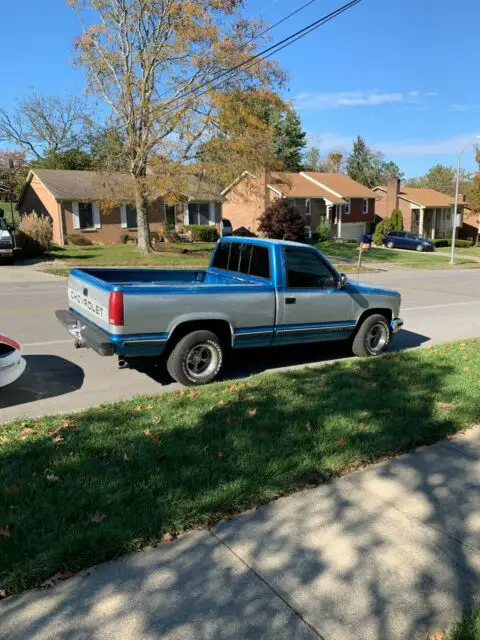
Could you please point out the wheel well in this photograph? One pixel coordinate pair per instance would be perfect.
(371, 312)
(220, 327)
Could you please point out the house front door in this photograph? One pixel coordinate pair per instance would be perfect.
(170, 217)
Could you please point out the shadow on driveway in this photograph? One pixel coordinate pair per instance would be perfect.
(46, 376)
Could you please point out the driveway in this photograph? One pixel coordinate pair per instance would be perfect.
(438, 306)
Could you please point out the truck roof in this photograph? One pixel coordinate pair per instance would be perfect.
(262, 241)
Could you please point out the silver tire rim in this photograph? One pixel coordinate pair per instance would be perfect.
(419, 247)
(390, 245)
(377, 338)
(201, 361)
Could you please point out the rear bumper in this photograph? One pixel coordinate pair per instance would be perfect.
(396, 324)
(85, 333)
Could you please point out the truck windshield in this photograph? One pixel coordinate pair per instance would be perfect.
(246, 258)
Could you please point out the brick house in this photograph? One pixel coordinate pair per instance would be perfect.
(101, 207)
(425, 211)
(329, 198)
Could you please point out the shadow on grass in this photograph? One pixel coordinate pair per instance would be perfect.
(173, 462)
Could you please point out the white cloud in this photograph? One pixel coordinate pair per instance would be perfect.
(329, 141)
(358, 98)
(463, 107)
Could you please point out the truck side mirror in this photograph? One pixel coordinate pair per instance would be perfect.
(342, 281)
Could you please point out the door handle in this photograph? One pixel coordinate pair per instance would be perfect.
(290, 300)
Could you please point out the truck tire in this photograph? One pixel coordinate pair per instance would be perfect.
(372, 337)
(196, 359)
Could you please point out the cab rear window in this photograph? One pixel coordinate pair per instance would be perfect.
(245, 258)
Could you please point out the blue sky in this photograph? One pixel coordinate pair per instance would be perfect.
(401, 74)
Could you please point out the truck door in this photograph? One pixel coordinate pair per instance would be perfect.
(310, 306)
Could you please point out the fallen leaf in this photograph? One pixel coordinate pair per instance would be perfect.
(341, 443)
(149, 407)
(194, 394)
(222, 402)
(153, 437)
(451, 436)
(465, 369)
(58, 439)
(228, 516)
(98, 517)
(363, 426)
(138, 408)
(220, 454)
(66, 424)
(364, 414)
(63, 575)
(3, 593)
(168, 537)
(5, 532)
(232, 387)
(179, 394)
(27, 431)
(12, 489)
(52, 478)
(446, 406)
(309, 426)
(252, 412)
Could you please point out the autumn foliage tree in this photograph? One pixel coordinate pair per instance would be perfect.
(160, 66)
(282, 221)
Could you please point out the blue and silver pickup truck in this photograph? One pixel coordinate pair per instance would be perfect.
(255, 293)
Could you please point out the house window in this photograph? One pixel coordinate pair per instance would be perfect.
(198, 213)
(131, 214)
(308, 207)
(347, 208)
(365, 205)
(85, 215)
(308, 232)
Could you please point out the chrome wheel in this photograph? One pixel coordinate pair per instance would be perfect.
(419, 247)
(377, 338)
(201, 360)
(390, 245)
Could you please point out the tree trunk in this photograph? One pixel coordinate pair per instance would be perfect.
(143, 227)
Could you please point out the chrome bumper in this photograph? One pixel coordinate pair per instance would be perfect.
(6, 252)
(396, 324)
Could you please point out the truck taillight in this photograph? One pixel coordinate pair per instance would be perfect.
(115, 308)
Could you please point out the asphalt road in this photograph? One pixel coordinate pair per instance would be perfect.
(438, 306)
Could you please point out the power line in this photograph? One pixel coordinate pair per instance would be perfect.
(256, 37)
(263, 55)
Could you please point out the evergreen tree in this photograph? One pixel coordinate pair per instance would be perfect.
(290, 141)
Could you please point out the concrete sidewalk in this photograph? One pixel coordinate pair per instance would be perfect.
(391, 552)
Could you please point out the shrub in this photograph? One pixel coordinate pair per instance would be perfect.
(282, 221)
(127, 238)
(35, 235)
(154, 237)
(323, 233)
(446, 242)
(397, 220)
(78, 240)
(381, 230)
(202, 233)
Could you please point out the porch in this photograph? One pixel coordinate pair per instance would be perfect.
(433, 223)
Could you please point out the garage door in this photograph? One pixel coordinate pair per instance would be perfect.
(354, 230)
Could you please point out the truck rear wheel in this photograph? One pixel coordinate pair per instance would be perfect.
(372, 337)
(196, 359)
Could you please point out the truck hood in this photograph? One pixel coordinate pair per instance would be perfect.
(361, 287)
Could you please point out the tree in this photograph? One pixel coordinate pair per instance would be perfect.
(369, 167)
(108, 149)
(73, 159)
(381, 230)
(42, 125)
(397, 220)
(312, 160)
(159, 65)
(290, 141)
(12, 175)
(283, 221)
(333, 162)
(442, 178)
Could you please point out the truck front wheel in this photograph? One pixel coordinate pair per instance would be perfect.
(372, 337)
(196, 359)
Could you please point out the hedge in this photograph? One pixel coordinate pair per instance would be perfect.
(446, 242)
(202, 233)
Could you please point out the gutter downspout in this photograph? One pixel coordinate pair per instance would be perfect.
(60, 220)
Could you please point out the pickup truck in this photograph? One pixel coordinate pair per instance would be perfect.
(255, 293)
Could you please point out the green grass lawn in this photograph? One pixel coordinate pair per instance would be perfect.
(7, 211)
(77, 490)
(197, 255)
(408, 258)
(467, 629)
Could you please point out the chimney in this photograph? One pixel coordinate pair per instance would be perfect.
(393, 191)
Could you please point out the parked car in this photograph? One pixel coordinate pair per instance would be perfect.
(255, 293)
(407, 240)
(6, 242)
(227, 229)
(12, 363)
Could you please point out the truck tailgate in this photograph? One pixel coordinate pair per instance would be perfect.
(89, 300)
